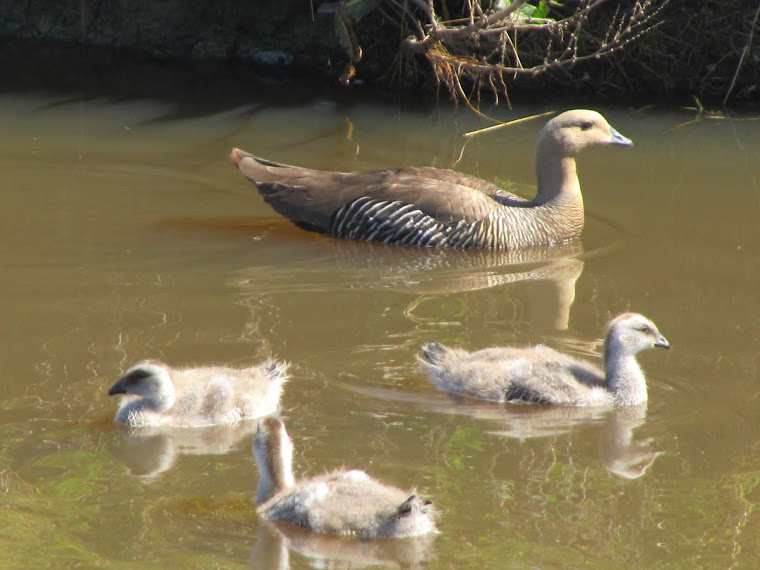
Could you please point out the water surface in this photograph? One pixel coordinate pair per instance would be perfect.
(128, 235)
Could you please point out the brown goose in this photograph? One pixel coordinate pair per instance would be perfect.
(437, 207)
(542, 375)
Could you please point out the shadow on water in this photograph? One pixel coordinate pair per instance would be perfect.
(77, 73)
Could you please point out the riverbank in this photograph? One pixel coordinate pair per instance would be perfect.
(711, 54)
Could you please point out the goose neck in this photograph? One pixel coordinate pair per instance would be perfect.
(557, 179)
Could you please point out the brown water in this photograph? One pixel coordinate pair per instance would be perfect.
(127, 234)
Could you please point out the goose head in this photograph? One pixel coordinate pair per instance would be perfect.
(630, 333)
(150, 379)
(567, 134)
(273, 450)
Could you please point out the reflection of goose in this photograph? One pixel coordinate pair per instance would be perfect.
(161, 396)
(149, 451)
(442, 208)
(453, 271)
(543, 375)
(274, 540)
(341, 502)
(517, 422)
(146, 457)
(363, 256)
(552, 272)
(622, 455)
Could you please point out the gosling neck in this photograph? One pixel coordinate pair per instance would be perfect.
(625, 380)
(274, 461)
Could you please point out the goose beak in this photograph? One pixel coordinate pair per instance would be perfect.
(618, 139)
(662, 342)
(118, 388)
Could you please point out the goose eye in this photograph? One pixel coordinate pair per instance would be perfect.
(586, 125)
(645, 329)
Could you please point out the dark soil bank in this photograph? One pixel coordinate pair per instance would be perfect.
(277, 36)
(708, 49)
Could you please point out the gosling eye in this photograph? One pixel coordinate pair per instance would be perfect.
(586, 125)
(645, 329)
(137, 376)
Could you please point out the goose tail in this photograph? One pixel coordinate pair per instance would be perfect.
(237, 155)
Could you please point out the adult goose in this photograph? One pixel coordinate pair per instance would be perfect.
(158, 395)
(437, 207)
(341, 503)
(542, 375)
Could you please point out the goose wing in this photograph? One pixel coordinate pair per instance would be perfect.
(311, 198)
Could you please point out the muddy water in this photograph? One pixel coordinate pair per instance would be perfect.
(127, 235)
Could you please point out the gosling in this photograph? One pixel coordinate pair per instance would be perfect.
(341, 503)
(157, 395)
(544, 376)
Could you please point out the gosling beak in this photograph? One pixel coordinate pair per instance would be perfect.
(618, 139)
(662, 342)
(118, 388)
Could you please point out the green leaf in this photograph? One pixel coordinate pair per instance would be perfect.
(526, 11)
(542, 10)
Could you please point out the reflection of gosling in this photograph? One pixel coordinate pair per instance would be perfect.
(341, 502)
(157, 395)
(542, 375)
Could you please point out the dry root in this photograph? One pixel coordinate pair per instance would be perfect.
(494, 42)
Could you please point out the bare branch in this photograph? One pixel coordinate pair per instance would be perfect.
(483, 48)
(505, 13)
(744, 55)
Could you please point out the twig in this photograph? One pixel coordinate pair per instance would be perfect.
(507, 124)
(505, 12)
(464, 48)
(744, 55)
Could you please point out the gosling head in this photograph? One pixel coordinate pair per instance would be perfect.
(412, 518)
(569, 133)
(632, 333)
(150, 379)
